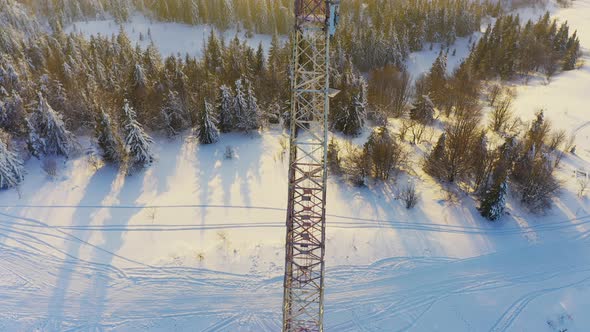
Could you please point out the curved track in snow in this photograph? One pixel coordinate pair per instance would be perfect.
(395, 292)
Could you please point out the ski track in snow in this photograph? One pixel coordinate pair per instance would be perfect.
(355, 222)
(373, 288)
(197, 291)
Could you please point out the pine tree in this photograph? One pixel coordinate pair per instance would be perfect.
(253, 115)
(12, 114)
(47, 132)
(572, 53)
(435, 161)
(437, 80)
(480, 162)
(213, 51)
(423, 110)
(137, 141)
(493, 202)
(173, 115)
(11, 168)
(350, 120)
(246, 108)
(350, 110)
(225, 109)
(108, 139)
(207, 132)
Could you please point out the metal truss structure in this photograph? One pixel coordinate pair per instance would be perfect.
(305, 243)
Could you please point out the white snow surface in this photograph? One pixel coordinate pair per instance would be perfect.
(195, 243)
(170, 38)
(565, 98)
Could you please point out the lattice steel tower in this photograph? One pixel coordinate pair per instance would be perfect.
(315, 22)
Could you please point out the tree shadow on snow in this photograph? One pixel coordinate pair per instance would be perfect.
(96, 298)
(99, 187)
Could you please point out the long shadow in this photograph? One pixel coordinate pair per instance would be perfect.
(207, 158)
(246, 163)
(96, 298)
(99, 187)
(250, 165)
(169, 152)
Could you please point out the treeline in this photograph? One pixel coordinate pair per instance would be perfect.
(507, 48)
(263, 16)
(380, 32)
(373, 32)
(53, 86)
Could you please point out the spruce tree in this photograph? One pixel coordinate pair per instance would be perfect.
(108, 139)
(137, 141)
(245, 107)
(12, 114)
(225, 109)
(493, 201)
(213, 52)
(572, 53)
(207, 132)
(47, 132)
(174, 118)
(423, 110)
(11, 168)
(435, 162)
(437, 80)
(349, 120)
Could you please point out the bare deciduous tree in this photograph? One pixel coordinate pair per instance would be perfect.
(390, 90)
(501, 114)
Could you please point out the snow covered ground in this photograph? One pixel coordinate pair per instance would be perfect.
(171, 38)
(196, 242)
(565, 99)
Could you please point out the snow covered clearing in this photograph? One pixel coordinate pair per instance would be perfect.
(565, 98)
(187, 243)
(195, 243)
(170, 38)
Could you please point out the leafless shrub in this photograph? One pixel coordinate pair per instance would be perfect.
(494, 93)
(534, 182)
(501, 114)
(556, 139)
(355, 165)
(384, 154)
(417, 129)
(409, 195)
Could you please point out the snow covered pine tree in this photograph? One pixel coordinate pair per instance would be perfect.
(245, 107)
(225, 109)
(47, 132)
(137, 141)
(108, 139)
(207, 132)
(11, 168)
(423, 110)
(494, 202)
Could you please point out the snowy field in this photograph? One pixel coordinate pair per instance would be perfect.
(170, 38)
(196, 242)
